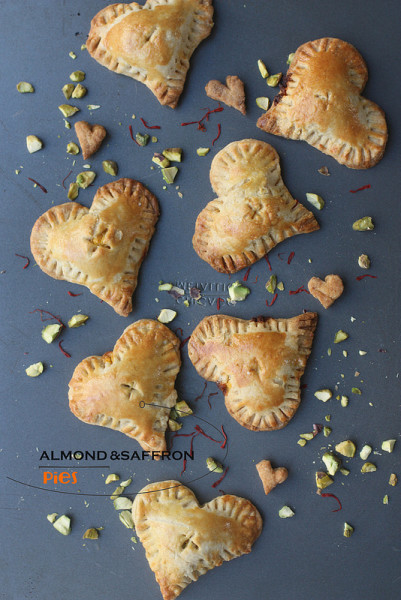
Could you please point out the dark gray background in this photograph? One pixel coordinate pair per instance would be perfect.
(305, 557)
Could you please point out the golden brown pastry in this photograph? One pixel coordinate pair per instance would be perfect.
(115, 390)
(90, 137)
(320, 102)
(184, 540)
(270, 477)
(151, 43)
(326, 291)
(232, 94)
(101, 247)
(258, 364)
(254, 210)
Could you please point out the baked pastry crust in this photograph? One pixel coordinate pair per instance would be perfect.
(258, 364)
(90, 137)
(326, 291)
(183, 540)
(320, 102)
(101, 247)
(254, 210)
(114, 390)
(151, 43)
(232, 94)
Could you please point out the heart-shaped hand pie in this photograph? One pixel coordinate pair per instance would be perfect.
(258, 364)
(101, 247)
(326, 291)
(320, 102)
(254, 211)
(130, 389)
(184, 540)
(90, 137)
(232, 93)
(151, 43)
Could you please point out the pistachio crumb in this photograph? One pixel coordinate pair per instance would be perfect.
(356, 390)
(67, 110)
(63, 525)
(368, 467)
(285, 512)
(302, 442)
(327, 431)
(262, 102)
(91, 534)
(388, 445)
(33, 143)
(111, 477)
(34, 370)
(324, 395)
(273, 80)
(72, 55)
(364, 261)
(393, 479)
(166, 315)
(214, 465)
(110, 167)
(202, 151)
(262, 69)
(340, 336)
(385, 499)
(77, 76)
(363, 224)
(348, 530)
(79, 91)
(365, 452)
(25, 88)
(346, 448)
(77, 321)
(72, 148)
(316, 200)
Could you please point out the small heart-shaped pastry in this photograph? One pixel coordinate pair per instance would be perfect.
(90, 137)
(101, 247)
(130, 389)
(320, 102)
(232, 94)
(151, 43)
(258, 364)
(326, 291)
(254, 210)
(184, 540)
(270, 477)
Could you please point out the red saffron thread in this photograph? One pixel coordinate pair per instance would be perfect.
(216, 483)
(184, 342)
(200, 123)
(132, 135)
(300, 289)
(200, 430)
(291, 256)
(256, 280)
(38, 184)
(364, 187)
(225, 437)
(327, 495)
(64, 180)
(208, 398)
(74, 295)
(149, 126)
(366, 275)
(26, 258)
(280, 255)
(177, 330)
(203, 391)
(41, 311)
(63, 351)
(247, 274)
(268, 262)
(218, 133)
(273, 301)
(218, 303)
(191, 451)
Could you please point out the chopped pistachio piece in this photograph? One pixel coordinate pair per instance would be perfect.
(72, 148)
(134, 540)
(165, 287)
(327, 418)
(302, 442)
(117, 492)
(322, 480)
(393, 479)
(72, 55)
(344, 401)
(173, 154)
(126, 519)
(324, 171)
(94, 107)
(73, 191)
(366, 450)
(67, 110)
(166, 315)
(52, 517)
(25, 88)
(368, 467)
(356, 390)
(186, 302)
(237, 291)
(306, 436)
(316, 200)
(280, 286)
(112, 477)
(364, 224)
(285, 512)
(326, 431)
(77, 321)
(344, 471)
(174, 425)
(202, 151)
(182, 409)
(77, 76)
(153, 139)
(122, 503)
(67, 124)
(364, 261)
(83, 46)
(346, 448)
(50, 332)
(323, 395)
(85, 178)
(169, 174)
(33, 143)
(262, 102)
(328, 351)
(126, 483)
(273, 80)
(345, 353)
(271, 284)
(63, 525)
(91, 534)
(290, 58)
(142, 138)
(160, 160)
(385, 499)
(67, 90)
(388, 445)
(110, 167)
(362, 352)
(332, 462)
(340, 336)
(34, 370)
(214, 465)
(348, 530)
(262, 69)
(79, 91)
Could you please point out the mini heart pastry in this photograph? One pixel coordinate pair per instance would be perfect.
(326, 291)
(270, 477)
(130, 389)
(184, 540)
(232, 94)
(320, 102)
(151, 43)
(101, 247)
(254, 210)
(90, 137)
(258, 364)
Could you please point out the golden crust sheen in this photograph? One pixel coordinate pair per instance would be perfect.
(184, 540)
(254, 210)
(321, 103)
(258, 364)
(101, 247)
(151, 43)
(115, 390)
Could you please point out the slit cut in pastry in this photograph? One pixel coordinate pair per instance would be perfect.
(258, 364)
(320, 102)
(184, 540)
(254, 210)
(151, 43)
(101, 247)
(130, 389)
